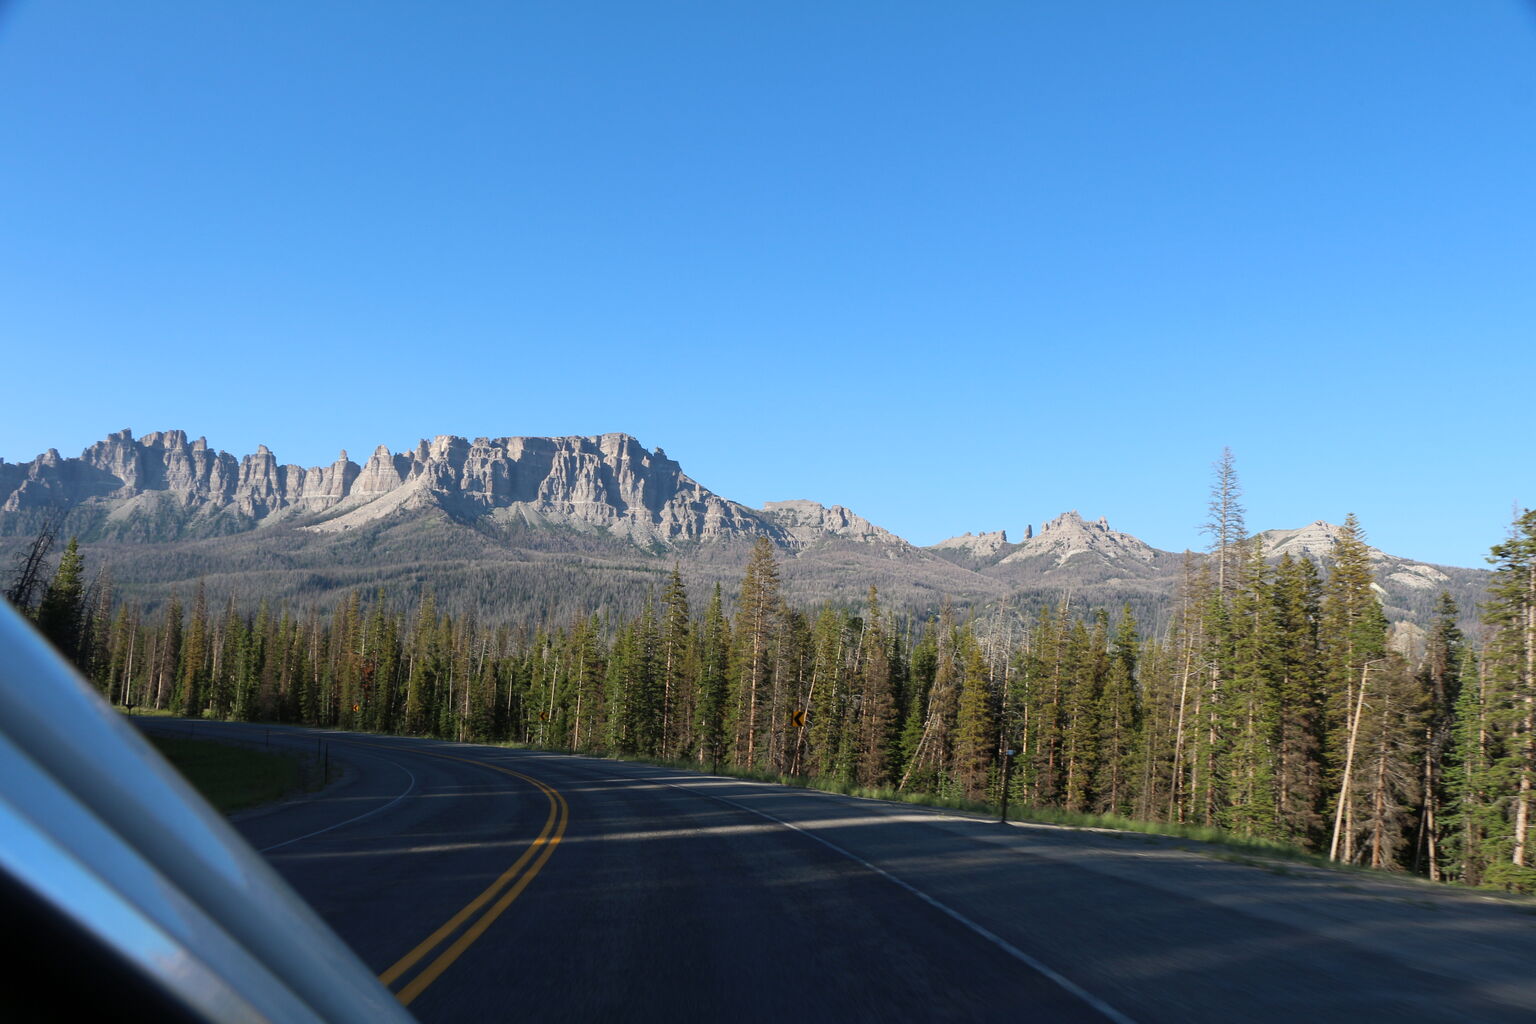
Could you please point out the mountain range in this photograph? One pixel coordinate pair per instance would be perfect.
(520, 529)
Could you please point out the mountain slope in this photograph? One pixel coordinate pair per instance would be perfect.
(525, 528)
(561, 525)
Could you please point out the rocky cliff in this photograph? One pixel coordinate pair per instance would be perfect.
(545, 525)
(1069, 535)
(806, 522)
(1316, 540)
(609, 482)
(197, 478)
(980, 546)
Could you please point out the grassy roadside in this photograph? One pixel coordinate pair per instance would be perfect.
(1216, 843)
(1212, 842)
(231, 777)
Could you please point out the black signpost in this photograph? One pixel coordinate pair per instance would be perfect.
(1007, 763)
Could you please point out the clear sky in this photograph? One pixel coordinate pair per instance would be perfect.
(955, 266)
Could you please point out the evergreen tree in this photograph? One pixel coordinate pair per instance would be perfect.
(828, 700)
(1189, 643)
(928, 768)
(791, 679)
(228, 641)
(635, 688)
(1510, 708)
(1047, 668)
(757, 613)
(1439, 679)
(422, 665)
(625, 664)
(1225, 525)
(925, 656)
(250, 668)
(380, 665)
(677, 681)
(1354, 639)
(1271, 706)
(1297, 596)
(1250, 709)
(62, 607)
(1119, 716)
(1388, 762)
(94, 652)
(975, 721)
(1157, 682)
(1469, 782)
(117, 679)
(191, 697)
(714, 670)
(1088, 660)
(590, 659)
(166, 656)
(877, 700)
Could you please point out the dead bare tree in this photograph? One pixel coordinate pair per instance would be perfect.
(28, 575)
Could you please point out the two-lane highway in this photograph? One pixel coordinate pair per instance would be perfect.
(412, 853)
(487, 884)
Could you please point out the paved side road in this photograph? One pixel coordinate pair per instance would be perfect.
(519, 885)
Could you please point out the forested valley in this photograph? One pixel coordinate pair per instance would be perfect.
(1272, 707)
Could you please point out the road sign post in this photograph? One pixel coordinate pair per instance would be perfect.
(1007, 763)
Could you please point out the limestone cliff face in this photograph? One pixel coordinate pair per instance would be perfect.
(1069, 534)
(382, 473)
(1316, 540)
(490, 500)
(806, 522)
(609, 481)
(195, 477)
(980, 546)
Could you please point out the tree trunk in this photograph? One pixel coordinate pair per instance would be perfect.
(1342, 819)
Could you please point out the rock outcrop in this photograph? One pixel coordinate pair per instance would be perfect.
(980, 546)
(596, 509)
(194, 477)
(806, 522)
(609, 481)
(1070, 535)
(1316, 540)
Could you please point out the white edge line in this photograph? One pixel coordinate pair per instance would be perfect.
(366, 814)
(1018, 954)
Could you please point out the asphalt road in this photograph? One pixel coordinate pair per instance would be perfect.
(491, 884)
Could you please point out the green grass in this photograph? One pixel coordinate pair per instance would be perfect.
(143, 712)
(231, 777)
(1214, 842)
(1218, 844)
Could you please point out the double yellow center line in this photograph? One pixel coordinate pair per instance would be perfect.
(499, 894)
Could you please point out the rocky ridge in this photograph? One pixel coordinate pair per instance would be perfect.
(806, 522)
(599, 513)
(200, 479)
(1316, 540)
(979, 546)
(608, 482)
(1070, 535)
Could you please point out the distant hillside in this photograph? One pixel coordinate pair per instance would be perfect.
(524, 529)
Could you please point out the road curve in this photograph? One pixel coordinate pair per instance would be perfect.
(491, 884)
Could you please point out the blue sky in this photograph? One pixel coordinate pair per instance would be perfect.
(955, 266)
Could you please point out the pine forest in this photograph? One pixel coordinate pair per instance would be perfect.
(1271, 708)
